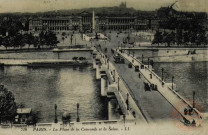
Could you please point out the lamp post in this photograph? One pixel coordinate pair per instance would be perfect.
(55, 120)
(78, 120)
(148, 62)
(108, 63)
(114, 73)
(127, 101)
(118, 83)
(162, 73)
(71, 38)
(142, 58)
(172, 82)
(194, 99)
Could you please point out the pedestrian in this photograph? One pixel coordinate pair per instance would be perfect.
(190, 111)
(193, 123)
(124, 118)
(185, 111)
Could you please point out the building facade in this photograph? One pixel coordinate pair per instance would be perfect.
(85, 22)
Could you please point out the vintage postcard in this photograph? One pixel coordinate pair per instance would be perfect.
(103, 67)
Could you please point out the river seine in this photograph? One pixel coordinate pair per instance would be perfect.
(41, 88)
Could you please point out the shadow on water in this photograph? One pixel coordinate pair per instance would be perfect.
(101, 101)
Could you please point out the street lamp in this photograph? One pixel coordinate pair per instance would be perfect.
(162, 73)
(118, 83)
(142, 58)
(148, 62)
(127, 101)
(194, 99)
(108, 63)
(114, 73)
(55, 120)
(172, 82)
(78, 120)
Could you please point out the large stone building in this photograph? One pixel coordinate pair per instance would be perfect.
(86, 22)
(81, 22)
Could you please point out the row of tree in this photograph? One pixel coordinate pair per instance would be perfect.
(18, 40)
(180, 37)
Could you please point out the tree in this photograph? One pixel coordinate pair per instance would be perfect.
(51, 39)
(169, 38)
(29, 39)
(8, 106)
(6, 42)
(157, 38)
(1, 39)
(17, 41)
(35, 41)
(14, 28)
(41, 38)
(186, 38)
(179, 37)
(193, 35)
(201, 38)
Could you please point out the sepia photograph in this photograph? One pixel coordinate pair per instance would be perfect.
(103, 67)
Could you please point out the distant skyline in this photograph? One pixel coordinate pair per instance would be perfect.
(147, 5)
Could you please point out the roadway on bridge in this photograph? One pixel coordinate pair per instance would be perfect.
(154, 106)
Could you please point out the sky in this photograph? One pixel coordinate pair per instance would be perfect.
(47, 5)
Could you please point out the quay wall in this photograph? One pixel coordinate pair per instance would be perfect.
(171, 54)
(46, 55)
(175, 51)
(182, 58)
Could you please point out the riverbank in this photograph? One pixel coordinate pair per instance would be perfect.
(43, 63)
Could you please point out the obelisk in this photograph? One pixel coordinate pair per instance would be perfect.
(93, 21)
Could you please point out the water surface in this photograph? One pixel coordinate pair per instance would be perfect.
(41, 88)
